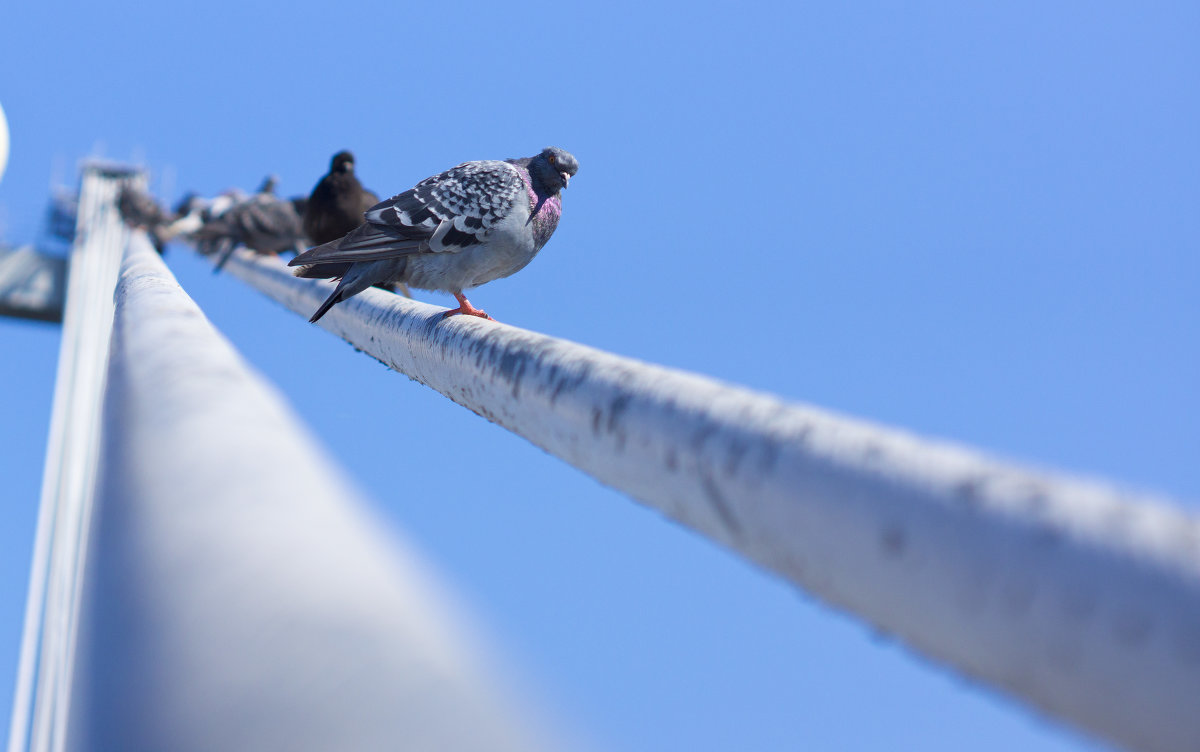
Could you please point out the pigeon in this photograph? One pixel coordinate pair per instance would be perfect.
(194, 211)
(469, 225)
(337, 202)
(139, 209)
(268, 185)
(263, 223)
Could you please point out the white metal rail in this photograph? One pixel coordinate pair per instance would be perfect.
(239, 596)
(1077, 597)
(43, 671)
(203, 578)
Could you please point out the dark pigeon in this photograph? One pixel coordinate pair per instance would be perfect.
(337, 202)
(469, 225)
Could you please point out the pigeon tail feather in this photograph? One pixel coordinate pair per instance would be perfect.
(224, 258)
(322, 271)
(305, 258)
(330, 302)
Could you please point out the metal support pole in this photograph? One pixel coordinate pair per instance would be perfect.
(1077, 597)
(202, 578)
(43, 672)
(238, 594)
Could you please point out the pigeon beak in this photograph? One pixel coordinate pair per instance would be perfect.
(566, 178)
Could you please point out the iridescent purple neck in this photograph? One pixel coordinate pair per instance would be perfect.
(544, 210)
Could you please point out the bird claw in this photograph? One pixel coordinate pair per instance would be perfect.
(465, 308)
(471, 312)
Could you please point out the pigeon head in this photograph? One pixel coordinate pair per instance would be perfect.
(343, 161)
(268, 185)
(553, 168)
(189, 203)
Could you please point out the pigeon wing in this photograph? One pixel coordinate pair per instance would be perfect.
(442, 214)
(270, 225)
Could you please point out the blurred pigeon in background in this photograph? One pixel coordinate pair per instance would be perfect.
(268, 185)
(469, 225)
(263, 223)
(336, 206)
(194, 211)
(139, 209)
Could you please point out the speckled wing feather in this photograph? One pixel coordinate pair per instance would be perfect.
(441, 214)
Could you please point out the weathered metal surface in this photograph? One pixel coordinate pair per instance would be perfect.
(1080, 598)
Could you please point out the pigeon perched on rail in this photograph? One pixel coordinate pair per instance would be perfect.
(195, 211)
(139, 209)
(337, 202)
(263, 223)
(471, 224)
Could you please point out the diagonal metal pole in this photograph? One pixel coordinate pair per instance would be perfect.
(203, 578)
(1077, 597)
(238, 593)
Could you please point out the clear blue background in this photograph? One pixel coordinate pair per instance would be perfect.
(978, 221)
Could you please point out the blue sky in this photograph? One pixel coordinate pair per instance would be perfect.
(976, 221)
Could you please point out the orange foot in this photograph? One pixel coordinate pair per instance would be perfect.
(465, 308)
